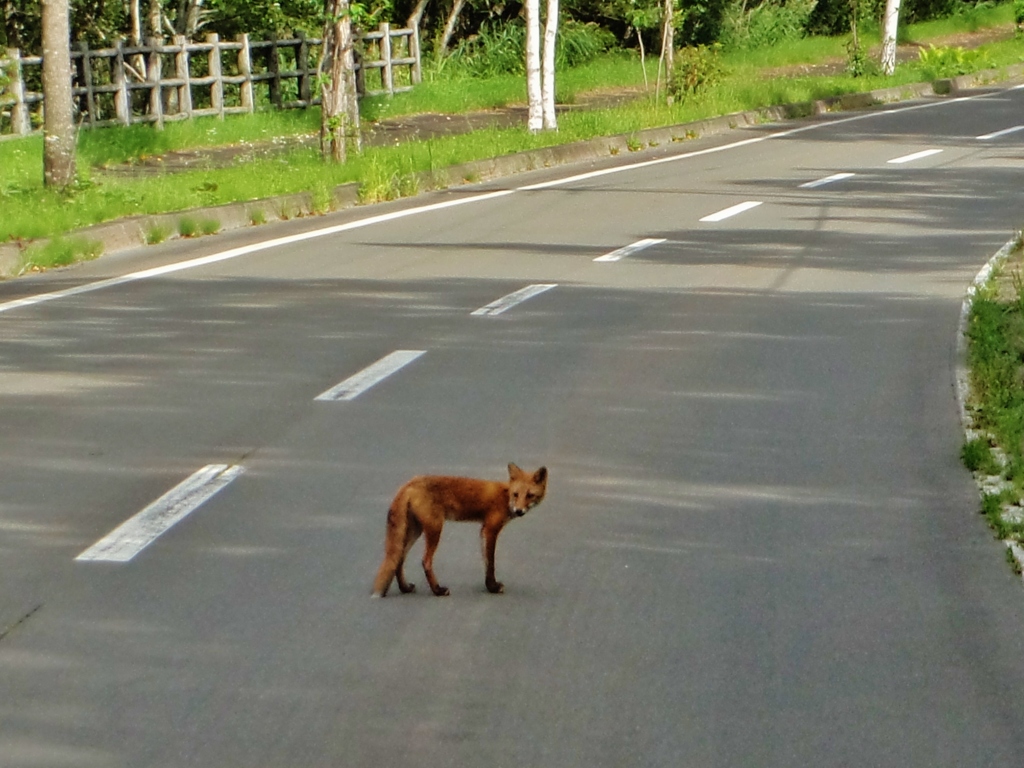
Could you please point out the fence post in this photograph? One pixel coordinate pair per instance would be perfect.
(154, 74)
(217, 88)
(245, 70)
(414, 45)
(274, 66)
(385, 53)
(357, 59)
(90, 96)
(302, 65)
(122, 107)
(20, 123)
(182, 73)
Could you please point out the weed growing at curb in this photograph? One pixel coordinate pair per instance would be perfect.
(187, 226)
(60, 252)
(157, 234)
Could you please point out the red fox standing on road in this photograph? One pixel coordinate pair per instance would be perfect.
(424, 503)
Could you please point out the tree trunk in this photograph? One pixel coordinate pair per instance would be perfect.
(153, 16)
(134, 22)
(339, 109)
(449, 28)
(417, 14)
(58, 125)
(535, 119)
(547, 89)
(668, 47)
(892, 18)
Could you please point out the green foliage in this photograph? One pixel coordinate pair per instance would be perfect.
(187, 226)
(859, 63)
(60, 252)
(938, 63)
(697, 68)
(500, 49)
(977, 456)
(1018, 15)
(770, 23)
(156, 234)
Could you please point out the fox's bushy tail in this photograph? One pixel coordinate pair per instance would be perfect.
(394, 543)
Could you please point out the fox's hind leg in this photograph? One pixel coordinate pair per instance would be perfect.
(433, 536)
(412, 533)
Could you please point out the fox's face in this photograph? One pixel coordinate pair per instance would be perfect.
(525, 490)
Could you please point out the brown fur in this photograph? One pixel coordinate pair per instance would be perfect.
(423, 504)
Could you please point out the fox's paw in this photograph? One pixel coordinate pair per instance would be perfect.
(442, 591)
(406, 589)
(496, 588)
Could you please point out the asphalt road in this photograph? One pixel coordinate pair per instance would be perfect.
(758, 546)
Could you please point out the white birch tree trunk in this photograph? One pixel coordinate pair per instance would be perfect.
(547, 89)
(892, 19)
(58, 123)
(535, 119)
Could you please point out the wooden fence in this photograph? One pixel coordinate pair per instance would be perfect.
(158, 82)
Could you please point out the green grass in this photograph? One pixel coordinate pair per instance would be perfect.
(28, 211)
(60, 252)
(995, 361)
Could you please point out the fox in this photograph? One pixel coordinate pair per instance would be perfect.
(423, 504)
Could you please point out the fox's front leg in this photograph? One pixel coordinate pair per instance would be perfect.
(489, 535)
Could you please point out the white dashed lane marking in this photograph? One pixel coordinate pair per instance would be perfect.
(505, 303)
(730, 212)
(629, 250)
(1000, 134)
(138, 532)
(915, 156)
(355, 385)
(827, 180)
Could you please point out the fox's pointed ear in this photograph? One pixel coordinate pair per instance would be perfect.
(541, 475)
(513, 470)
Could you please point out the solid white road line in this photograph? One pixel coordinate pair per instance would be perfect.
(915, 156)
(629, 250)
(498, 306)
(997, 134)
(827, 180)
(138, 532)
(247, 249)
(730, 212)
(355, 385)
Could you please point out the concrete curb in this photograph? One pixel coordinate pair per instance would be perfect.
(138, 230)
(986, 483)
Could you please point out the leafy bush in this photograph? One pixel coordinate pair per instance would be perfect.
(500, 49)
(770, 23)
(948, 61)
(1018, 14)
(696, 68)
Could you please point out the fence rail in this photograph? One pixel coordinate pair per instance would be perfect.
(160, 81)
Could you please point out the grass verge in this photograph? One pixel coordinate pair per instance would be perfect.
(994, 448)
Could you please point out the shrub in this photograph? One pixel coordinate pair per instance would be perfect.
(696, 68)
(1018, 14)
(938, 63)
(500, 49)
(765, 25)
